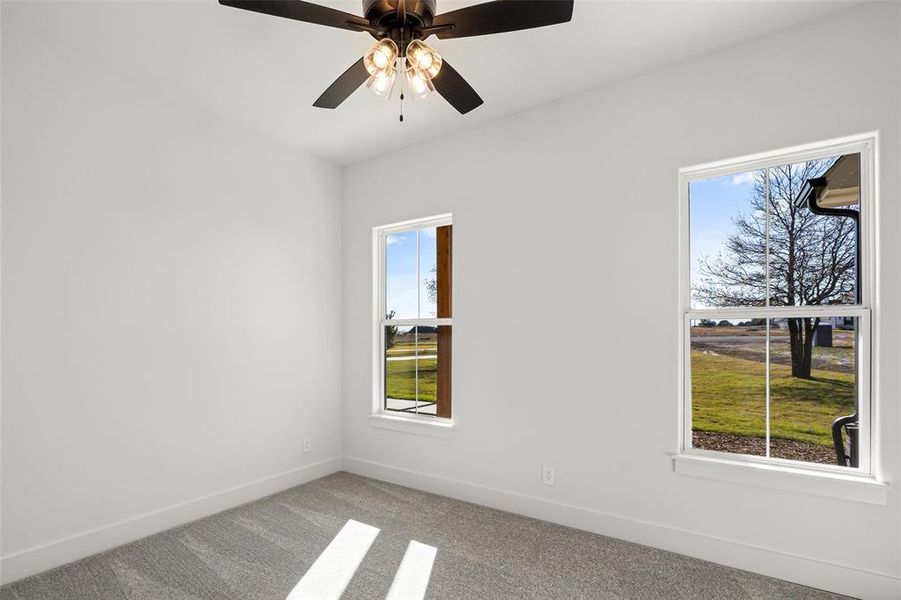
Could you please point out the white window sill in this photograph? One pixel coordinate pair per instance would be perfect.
(430, 426)
(857, 488)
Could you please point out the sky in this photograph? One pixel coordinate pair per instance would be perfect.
(713, 204)
(402, 279)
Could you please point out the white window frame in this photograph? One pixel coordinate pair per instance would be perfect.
(697, 461)
(379, 416)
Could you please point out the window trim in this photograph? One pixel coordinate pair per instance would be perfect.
(378, 415)
(785, 477)
(686, 457)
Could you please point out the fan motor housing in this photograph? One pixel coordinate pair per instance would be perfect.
(383, 13)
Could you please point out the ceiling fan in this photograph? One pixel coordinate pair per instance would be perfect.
(400, 26)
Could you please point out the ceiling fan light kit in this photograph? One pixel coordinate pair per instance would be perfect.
(420, 65)
(400, 26)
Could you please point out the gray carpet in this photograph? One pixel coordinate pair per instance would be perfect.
(260, 551)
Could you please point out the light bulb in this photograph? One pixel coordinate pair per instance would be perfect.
(419, 82)
(424, 58)
(381, 57)
(381, 83)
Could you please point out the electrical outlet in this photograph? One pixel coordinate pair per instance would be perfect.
(548, 476)
(307, 445)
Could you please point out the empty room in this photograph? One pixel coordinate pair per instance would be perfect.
(450, 299)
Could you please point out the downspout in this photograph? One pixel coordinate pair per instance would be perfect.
(816, 209)
(850, 421)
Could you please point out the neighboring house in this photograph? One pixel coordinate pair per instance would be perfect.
(837, 187)
(836, 322)
(842, 322)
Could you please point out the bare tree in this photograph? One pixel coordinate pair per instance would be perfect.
(431, 285)
(811, 257)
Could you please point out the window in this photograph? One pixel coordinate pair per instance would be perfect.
(777, 290)
(413, 319)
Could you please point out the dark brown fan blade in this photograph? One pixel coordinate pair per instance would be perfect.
(502, 15)
(455, 90)
(301, 11)
(344, 86)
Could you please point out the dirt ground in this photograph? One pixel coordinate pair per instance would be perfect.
(755, 446)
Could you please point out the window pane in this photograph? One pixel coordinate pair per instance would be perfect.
(813, 367)
(728, 386)
(401, 277)
(427, 359)
(428, 273)
(728, 240)
(813, 256)
(411, 369)
(400, 368)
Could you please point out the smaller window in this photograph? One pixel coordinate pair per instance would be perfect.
(413, 318)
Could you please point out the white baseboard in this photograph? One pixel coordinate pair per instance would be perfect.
(35, 560)
(811, 572)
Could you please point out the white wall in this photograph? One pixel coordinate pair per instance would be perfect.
(565, 236)
(170, 320)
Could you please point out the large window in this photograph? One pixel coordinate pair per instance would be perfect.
(777, 280)
(413, 318)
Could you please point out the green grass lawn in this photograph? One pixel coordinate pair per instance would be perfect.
(401, 379)
(729, 396)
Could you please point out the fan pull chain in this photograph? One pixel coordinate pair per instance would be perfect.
(402, 63)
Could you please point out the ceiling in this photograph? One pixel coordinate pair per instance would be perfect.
(264, 72)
